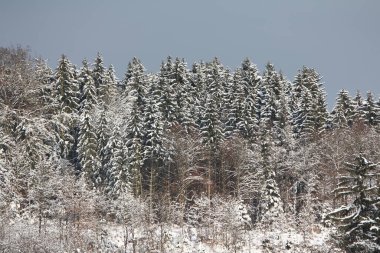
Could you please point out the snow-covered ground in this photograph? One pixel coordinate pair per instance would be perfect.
(24, 236)
(187, 240)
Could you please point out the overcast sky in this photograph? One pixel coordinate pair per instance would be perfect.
(339, 38)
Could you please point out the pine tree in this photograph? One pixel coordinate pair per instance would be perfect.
(313, 110)
(233, 107)
(88, 95)
(211, 126)
(135, 83)
(113, 82)
(66, 86)
(199, 93)
(103, 82)
(370, 112)
(87, 149)
(271, 206)
(118, 178)
(103, 150)
(358, 105)
(66, 93)
(45, 79)
(271, 88)
(216, 79)
(358, 221)
(343, 113)
(153, 148)
(165, 94)
(183, 90)
(250, 82)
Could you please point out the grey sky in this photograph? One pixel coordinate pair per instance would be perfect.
(340, 38)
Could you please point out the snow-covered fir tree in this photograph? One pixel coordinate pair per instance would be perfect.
(248, 79)
(66, 86)
(87, 149)
(343, 113)
(370, 111)
(118, 177)
(104, 152)
(309, 114)
(359, 219)
(102, 80)
(271, 205)
(135, 83)
(87, 139)
(164, 94)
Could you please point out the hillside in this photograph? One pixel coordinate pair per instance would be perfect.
(189, 159)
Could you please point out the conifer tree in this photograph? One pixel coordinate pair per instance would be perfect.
(359, 220)
(199, 94)
(118, 177)
(271, 88)
(87, 149)
(250, 83)
(343, 113)
(183, 90)
(104, 152)
(113, 82)
(103, 82)
(314, 110)
(88, 95)
(271, 206)
(234, 109)
(66, 93)
(370, 111)
(87, 138)
(135, 83)
(164, 94)
(45, 79)
(66, 86)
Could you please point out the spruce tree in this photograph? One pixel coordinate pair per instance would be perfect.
(88, 95)
(183, 91)
(314, 111)
(250, 83)
(118, 177)
(87, 139)
(104, 153)
(165, 95)
(103, 82)
(87, 148)
(359, 220)
(66, 93)
(271, 206)
(343, 113)
(66, 86)
(45, 78)
(135, 83)
(271, 88)
(199, 93)
(370, 111)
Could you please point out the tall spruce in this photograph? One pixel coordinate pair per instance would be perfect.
(309, 117)
(87, 140)
(66, 86)
(135, 83)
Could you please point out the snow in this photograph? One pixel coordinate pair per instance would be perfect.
(187, 240)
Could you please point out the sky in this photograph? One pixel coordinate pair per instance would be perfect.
(339, 38)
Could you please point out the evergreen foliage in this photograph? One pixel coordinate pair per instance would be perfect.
(358, 220)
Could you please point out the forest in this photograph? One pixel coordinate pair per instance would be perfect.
(196, 158)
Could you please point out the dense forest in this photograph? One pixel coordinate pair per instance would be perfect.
(185, 158)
